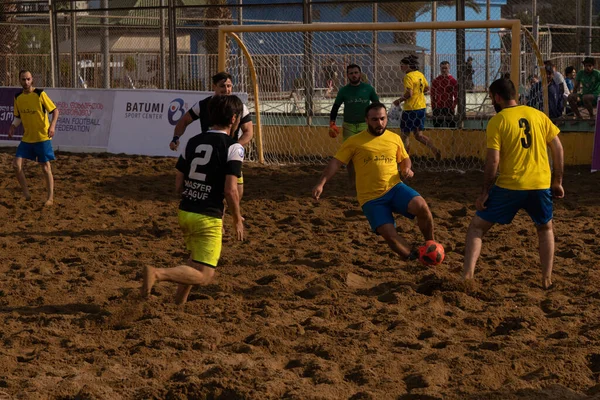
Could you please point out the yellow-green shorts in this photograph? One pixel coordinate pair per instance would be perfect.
(241, 179)
(350, 129)
(203, 236)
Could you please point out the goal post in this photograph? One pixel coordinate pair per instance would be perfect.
(272, 61)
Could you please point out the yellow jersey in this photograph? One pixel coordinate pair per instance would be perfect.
(375, 160)
(416, 82)
(33, 108)
(522, 134)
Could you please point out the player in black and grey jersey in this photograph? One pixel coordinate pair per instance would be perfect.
(222, 86)
(207, 174)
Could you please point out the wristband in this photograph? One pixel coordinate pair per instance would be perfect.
(175, 139)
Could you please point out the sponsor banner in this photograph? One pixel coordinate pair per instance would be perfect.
(144, 121)
(7, 103)
(596, 153)
(85, 117)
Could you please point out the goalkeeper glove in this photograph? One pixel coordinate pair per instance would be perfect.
(333, 129)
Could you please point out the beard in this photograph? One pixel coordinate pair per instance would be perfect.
(355, 81)
(376, 131)
(497, 107)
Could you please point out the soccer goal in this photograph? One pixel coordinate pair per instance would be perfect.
(293, 73)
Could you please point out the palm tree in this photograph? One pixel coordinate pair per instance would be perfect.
(9, 32)
(409, 11)
(215, 16)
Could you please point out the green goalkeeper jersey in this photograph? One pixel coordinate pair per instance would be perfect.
(356, 99)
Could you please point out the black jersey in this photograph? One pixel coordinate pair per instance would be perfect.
(200, 111)
(207, 160)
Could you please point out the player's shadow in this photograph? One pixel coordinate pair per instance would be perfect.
(70, 309)
(291, 181)
(160, 187)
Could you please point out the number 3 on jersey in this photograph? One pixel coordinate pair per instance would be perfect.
(204, 151)
(526, 141)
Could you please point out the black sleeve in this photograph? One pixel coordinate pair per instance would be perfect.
(233, 167)
(334, 112)
(247, 118)
(182, 165)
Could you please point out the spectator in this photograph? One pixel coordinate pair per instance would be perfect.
(570, 73)
(330, 76)
(570, 77)
(444, 95)
(559, 79)
(555, 98)
(469, 71)
(589, 80)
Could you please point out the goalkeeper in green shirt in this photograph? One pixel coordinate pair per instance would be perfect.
(356, 97)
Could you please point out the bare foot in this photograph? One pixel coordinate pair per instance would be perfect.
(149, 276)
(48, 203)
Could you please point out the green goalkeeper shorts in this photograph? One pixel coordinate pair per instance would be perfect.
(351, 129)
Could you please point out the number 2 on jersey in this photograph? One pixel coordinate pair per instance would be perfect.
(526, 141)
(204, 152)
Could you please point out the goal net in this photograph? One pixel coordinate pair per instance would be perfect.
(293, 74)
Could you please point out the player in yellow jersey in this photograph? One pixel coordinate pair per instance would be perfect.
(517, 141)
(413, 117)
(32, 107)
(381, 162)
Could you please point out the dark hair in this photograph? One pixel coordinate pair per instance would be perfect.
(221, 109)
(548, 63)
(569, 69)
(412, 61)
(349, 67)
(444, 63)
(374, 106)
(221, 76)
(504, 88)
(21, 72)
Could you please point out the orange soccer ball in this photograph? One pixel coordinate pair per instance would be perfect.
(432, 253)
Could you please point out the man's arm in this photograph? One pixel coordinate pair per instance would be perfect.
(327, 174)
(232, 197)
(489, 176)
(558, 164)
(333, 129)
(179, 178)
(180, 130)
(247, 133)
(407, 95)
(52, 127)
(405, 169)
(576, 87)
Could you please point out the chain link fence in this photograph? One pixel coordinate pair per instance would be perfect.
(173, 43)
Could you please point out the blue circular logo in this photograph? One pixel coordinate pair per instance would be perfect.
(176, 111)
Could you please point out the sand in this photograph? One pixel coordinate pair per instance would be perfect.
(311, 306)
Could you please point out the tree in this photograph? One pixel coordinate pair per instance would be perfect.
(220, 14)
(408, 11)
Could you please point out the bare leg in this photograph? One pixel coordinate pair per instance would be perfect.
(182, 293)
(475, 233)
(418, 207)
(49, 179)
(588, 103)
(427, 142)
(185, 275)
(573, 102)
(546, 248)
(18, 166)
(406, 141)
(396, 243)
(241, 190)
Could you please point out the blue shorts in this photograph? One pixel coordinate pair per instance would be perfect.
(503, 205)
(412, 120)
(40, 151)
(379, 211)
